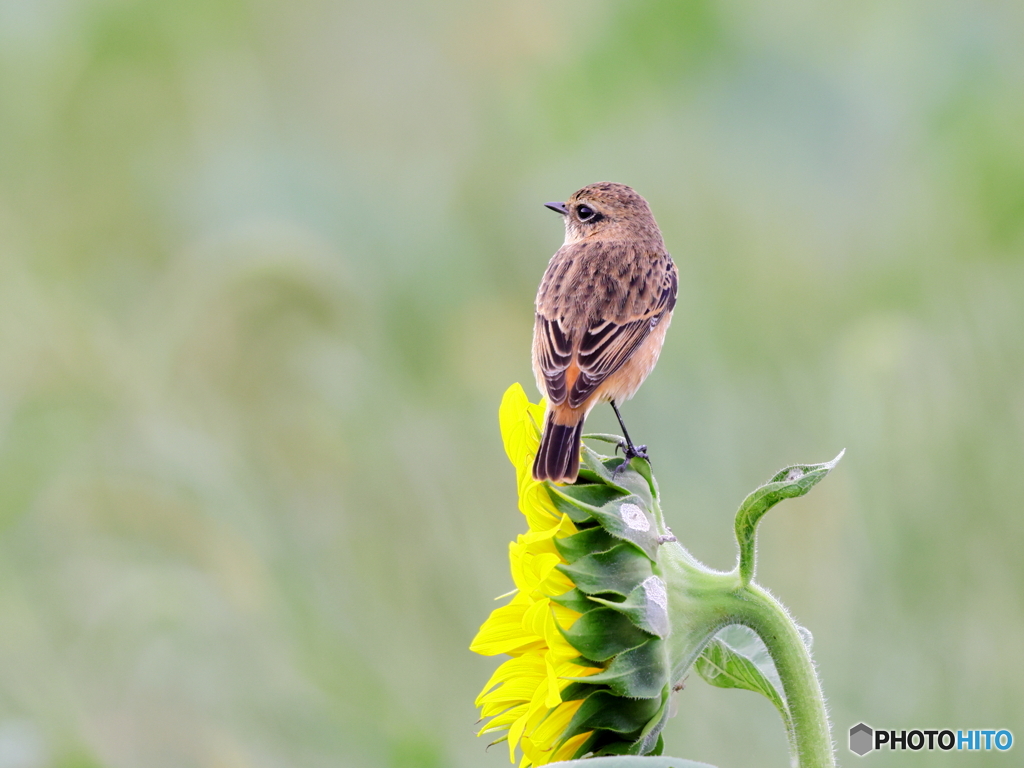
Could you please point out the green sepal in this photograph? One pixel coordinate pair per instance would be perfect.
(604, 633)
(787, 483)
(575, 600)
(577, 691)
(641, 672)
(618, 571)
(615, 748)
(659, 748)
(568, 505)
(589, 476)
(607, 712)
(646, 606)
(648, 742)
(629, 518)
(651, 734)
(730, 665)
(587, 496)
(602, 467)
(627, 481)
(588, 469)
(643, 468)
(586, 542)
(582, 661)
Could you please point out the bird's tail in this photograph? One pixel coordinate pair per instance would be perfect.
(558, 457)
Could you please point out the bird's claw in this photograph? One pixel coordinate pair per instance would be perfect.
(630, 452)
(638, 451)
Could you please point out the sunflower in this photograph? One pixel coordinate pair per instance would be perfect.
(610, 612)
(523, 697)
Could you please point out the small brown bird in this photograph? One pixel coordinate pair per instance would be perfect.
(603, 307)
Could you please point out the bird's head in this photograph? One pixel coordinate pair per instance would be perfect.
(606, 211)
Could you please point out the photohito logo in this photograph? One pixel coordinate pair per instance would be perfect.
(864, 739)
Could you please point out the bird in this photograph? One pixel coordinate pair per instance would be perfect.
(602, 310)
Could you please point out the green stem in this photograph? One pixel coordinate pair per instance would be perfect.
(748, 552)
(702, 601)
(810, 736)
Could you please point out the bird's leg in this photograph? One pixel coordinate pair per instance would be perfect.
(628, 449)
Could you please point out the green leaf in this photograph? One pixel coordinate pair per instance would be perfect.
(632, 761)
(736, 658)
(618, 571)
(641, 672)
(604, 633)
(788, 483)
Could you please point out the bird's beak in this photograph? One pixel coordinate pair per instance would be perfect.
(558, 208)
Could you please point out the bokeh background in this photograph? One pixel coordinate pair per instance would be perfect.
(266, 269)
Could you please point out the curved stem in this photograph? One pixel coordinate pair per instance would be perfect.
(810, 736)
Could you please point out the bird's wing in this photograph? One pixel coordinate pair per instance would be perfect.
(552, 349)
(607, 344)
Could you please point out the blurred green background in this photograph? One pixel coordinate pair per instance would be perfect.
(266, 269)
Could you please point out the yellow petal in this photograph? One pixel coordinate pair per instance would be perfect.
(565, 617)
(537, 619)
(517, 420)
(512, 693)
(534, 568)
(535, 503)
(540, 567)
(543, 733)
(538, 541)
(523, 667)
(566, 668)
(553, 684)
(556, 583)
(515, 733)
(559, 647)
(553, 726)
(567, 750)
(523, 696)
(502, 720)
(503, 631)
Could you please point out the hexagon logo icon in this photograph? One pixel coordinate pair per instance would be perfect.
(861, 739)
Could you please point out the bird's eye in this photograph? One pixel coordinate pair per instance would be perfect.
(586, 213)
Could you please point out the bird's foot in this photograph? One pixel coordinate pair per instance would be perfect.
(630, 451)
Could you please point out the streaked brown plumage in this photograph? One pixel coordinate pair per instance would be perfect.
(603, 307)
